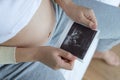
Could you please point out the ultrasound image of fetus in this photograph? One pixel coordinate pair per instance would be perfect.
(73, 42)
(78, 40)
(73, 39)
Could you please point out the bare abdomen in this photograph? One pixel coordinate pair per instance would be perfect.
(37, 31)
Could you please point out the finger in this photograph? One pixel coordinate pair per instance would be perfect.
(68, 66)
(91, 17)
(87, 22)
(94, 18)
(67, 55)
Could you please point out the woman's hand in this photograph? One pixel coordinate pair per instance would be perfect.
(79, 14)
(55, 58)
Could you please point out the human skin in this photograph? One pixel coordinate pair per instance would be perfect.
(30, 40)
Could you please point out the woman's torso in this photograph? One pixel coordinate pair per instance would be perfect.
(37, 31)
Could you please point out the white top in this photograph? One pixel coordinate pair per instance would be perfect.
(111, 2)
(14, 15)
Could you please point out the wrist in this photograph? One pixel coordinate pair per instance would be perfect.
(39, 54)
(63, 3)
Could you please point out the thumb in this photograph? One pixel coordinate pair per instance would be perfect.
(68, 56)
(68, 60)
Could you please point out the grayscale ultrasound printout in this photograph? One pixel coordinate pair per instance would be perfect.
(78, 40)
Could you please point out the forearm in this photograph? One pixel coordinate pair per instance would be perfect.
(51, 56)
(12, 55)
(25, 54)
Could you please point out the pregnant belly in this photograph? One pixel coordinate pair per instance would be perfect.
(37, 31)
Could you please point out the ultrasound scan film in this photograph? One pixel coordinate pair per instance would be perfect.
(78, 40)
